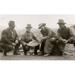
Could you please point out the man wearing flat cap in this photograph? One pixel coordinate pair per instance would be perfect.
(64, 34)
(28, 37)
(48, 38)
(9, 38)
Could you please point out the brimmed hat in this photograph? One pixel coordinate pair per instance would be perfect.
(61, 21)
(28, 26)
(11, 23)
(41, 25)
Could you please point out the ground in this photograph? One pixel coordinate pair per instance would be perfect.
(22, 57)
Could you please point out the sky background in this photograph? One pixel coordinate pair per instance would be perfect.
(22, 20)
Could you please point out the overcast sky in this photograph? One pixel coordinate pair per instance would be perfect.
(34, 20)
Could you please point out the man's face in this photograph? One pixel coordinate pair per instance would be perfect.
(12, 26)
(28, 29)
(43, 27)
(61, 25)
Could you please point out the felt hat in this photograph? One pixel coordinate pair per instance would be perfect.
(61, 21)
(41, 25)
(28, 26)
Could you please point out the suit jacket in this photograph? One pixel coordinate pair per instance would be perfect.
(7, 37)
(27, 37)
(48, 32)
(64, 33)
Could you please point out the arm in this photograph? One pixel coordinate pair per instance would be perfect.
(16, 35)
(16, 38)
(58, 35)
(60, 38)
(72, 36)
(51, 34)
(22, 40)
(4, 37)
(35, 38)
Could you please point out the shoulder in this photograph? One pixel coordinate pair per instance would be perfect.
(5, 30)
(48, 29)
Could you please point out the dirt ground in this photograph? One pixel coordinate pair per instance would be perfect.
(10, 56)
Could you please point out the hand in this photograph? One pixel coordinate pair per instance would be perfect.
(16, 41)
(53, 39)
(13, 44)
(65, 41)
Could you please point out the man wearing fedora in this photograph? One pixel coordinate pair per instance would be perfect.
(9, 39)
(48, 38)
(72, 29)
(64, 34)
(27, 37)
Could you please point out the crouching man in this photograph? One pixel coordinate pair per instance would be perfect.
(28, 37)
(9, 39)
(64, 35)
(47, 41)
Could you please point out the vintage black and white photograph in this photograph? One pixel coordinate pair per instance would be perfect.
(37, 37)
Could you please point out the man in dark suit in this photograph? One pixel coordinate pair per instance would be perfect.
(47, 41)
(9, 39)
(64, 35)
